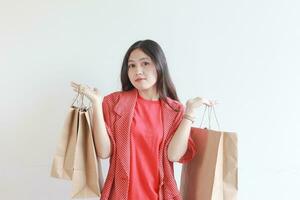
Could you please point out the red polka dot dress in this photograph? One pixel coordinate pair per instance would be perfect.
(146, 135)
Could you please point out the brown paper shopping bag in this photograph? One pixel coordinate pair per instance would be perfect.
(75, 158)
(212, 174)
(62, 164)
(85, 180)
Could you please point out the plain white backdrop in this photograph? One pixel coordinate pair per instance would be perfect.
(245, 54)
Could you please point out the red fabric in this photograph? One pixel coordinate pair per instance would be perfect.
(146, 136)
(118, 111)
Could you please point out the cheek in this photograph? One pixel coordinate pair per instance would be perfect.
(129, 73)
(154, 74)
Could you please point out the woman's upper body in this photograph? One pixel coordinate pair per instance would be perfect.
(144, 71)
(118, 109)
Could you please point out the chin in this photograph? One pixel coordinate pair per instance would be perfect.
(142, 88)
(139, 87)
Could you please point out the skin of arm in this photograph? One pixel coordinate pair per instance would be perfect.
(179, 142)
(102, 140)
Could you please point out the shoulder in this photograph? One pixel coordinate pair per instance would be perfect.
(176, 105)
(113, 97)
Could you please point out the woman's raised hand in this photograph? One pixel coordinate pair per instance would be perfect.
(92, 94)
(194, 103)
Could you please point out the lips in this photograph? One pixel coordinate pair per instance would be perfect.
(139, 79)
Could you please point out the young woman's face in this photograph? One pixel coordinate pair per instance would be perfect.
(141, 70)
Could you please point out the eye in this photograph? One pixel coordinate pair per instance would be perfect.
(146, 63)
(131, 65)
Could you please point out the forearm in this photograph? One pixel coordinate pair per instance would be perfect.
(179, 142)
(102, 140)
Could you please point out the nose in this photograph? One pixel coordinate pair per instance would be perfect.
(139, 70)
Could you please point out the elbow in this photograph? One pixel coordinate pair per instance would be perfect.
(171, 159)
(171, 156)
(104, 155)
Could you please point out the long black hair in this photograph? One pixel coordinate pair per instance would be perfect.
(164, 84)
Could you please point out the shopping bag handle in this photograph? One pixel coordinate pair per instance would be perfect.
(81, 107)
(210, 109)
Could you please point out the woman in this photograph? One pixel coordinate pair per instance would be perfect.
(143, 128)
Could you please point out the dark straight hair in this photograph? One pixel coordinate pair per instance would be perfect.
(164, 84)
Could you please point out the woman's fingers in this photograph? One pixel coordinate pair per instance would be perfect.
(90, 92)
(73, 84)
(79, 86)
(211, 103)
(206, 101)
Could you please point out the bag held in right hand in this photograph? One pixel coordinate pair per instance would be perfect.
(213, 173)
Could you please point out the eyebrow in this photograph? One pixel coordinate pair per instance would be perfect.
(140, 59)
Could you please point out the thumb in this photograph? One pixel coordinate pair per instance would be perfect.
(97, 91)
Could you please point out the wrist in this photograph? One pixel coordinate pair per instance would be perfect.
(97, 101)
(190, 112)
(189, 117)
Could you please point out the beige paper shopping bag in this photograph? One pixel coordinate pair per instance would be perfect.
(62, 164)
(75, 158)
(213, 173)
(86, 176)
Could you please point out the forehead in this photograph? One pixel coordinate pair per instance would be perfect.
(138, 55)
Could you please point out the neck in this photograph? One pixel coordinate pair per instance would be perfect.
(149, 94)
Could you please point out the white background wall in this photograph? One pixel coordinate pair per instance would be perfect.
(243, 53)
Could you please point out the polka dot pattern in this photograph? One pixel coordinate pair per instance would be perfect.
(118, 109)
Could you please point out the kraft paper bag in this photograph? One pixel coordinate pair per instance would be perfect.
(75, 158)
(85, 181)
(213, 173)
(62, 164)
